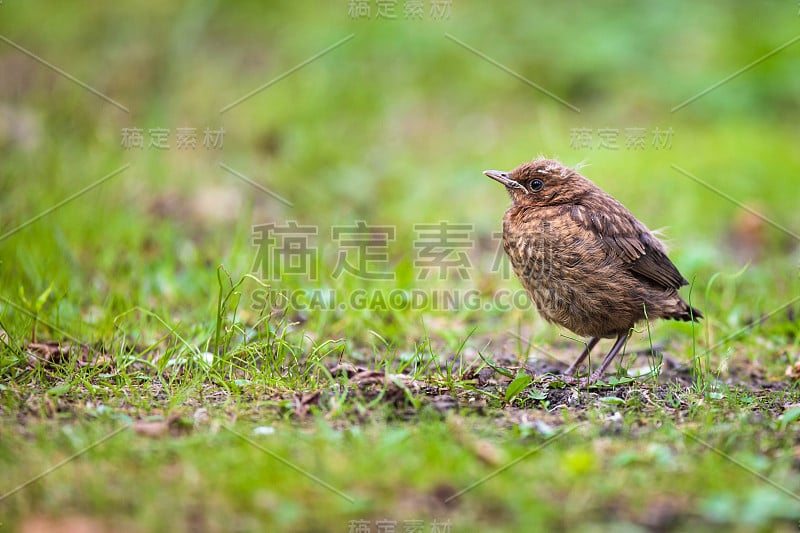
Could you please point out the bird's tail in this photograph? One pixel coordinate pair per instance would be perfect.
(686, 313)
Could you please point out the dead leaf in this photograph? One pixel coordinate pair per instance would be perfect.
(345, 369)
(201, 416)
(302, 403)
(67, 524)
(367, 377)
(173, 425)
(50, 353)
(793, 371)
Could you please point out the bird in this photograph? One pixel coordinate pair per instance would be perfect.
(588, 264)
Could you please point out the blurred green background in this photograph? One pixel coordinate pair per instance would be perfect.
(393, 126)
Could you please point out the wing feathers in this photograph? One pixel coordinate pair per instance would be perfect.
(627, 238)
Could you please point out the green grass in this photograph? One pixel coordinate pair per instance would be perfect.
(133, 313)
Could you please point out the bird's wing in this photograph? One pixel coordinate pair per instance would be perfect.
(624, 236)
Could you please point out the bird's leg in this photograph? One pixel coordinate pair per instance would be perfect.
(573, 368)
(618, 345)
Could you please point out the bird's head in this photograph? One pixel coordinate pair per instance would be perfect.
(542, 182)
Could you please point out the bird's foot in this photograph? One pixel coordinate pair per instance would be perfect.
(566, 379)
(569, 379)
(556, 380)
(593, 378)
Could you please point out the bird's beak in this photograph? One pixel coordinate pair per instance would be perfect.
(502, 177)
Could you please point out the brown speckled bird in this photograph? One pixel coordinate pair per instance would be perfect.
(588, 264)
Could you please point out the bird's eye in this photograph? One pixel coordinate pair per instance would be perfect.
(536, 185)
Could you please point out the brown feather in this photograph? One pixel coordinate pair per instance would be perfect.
(587, 262)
